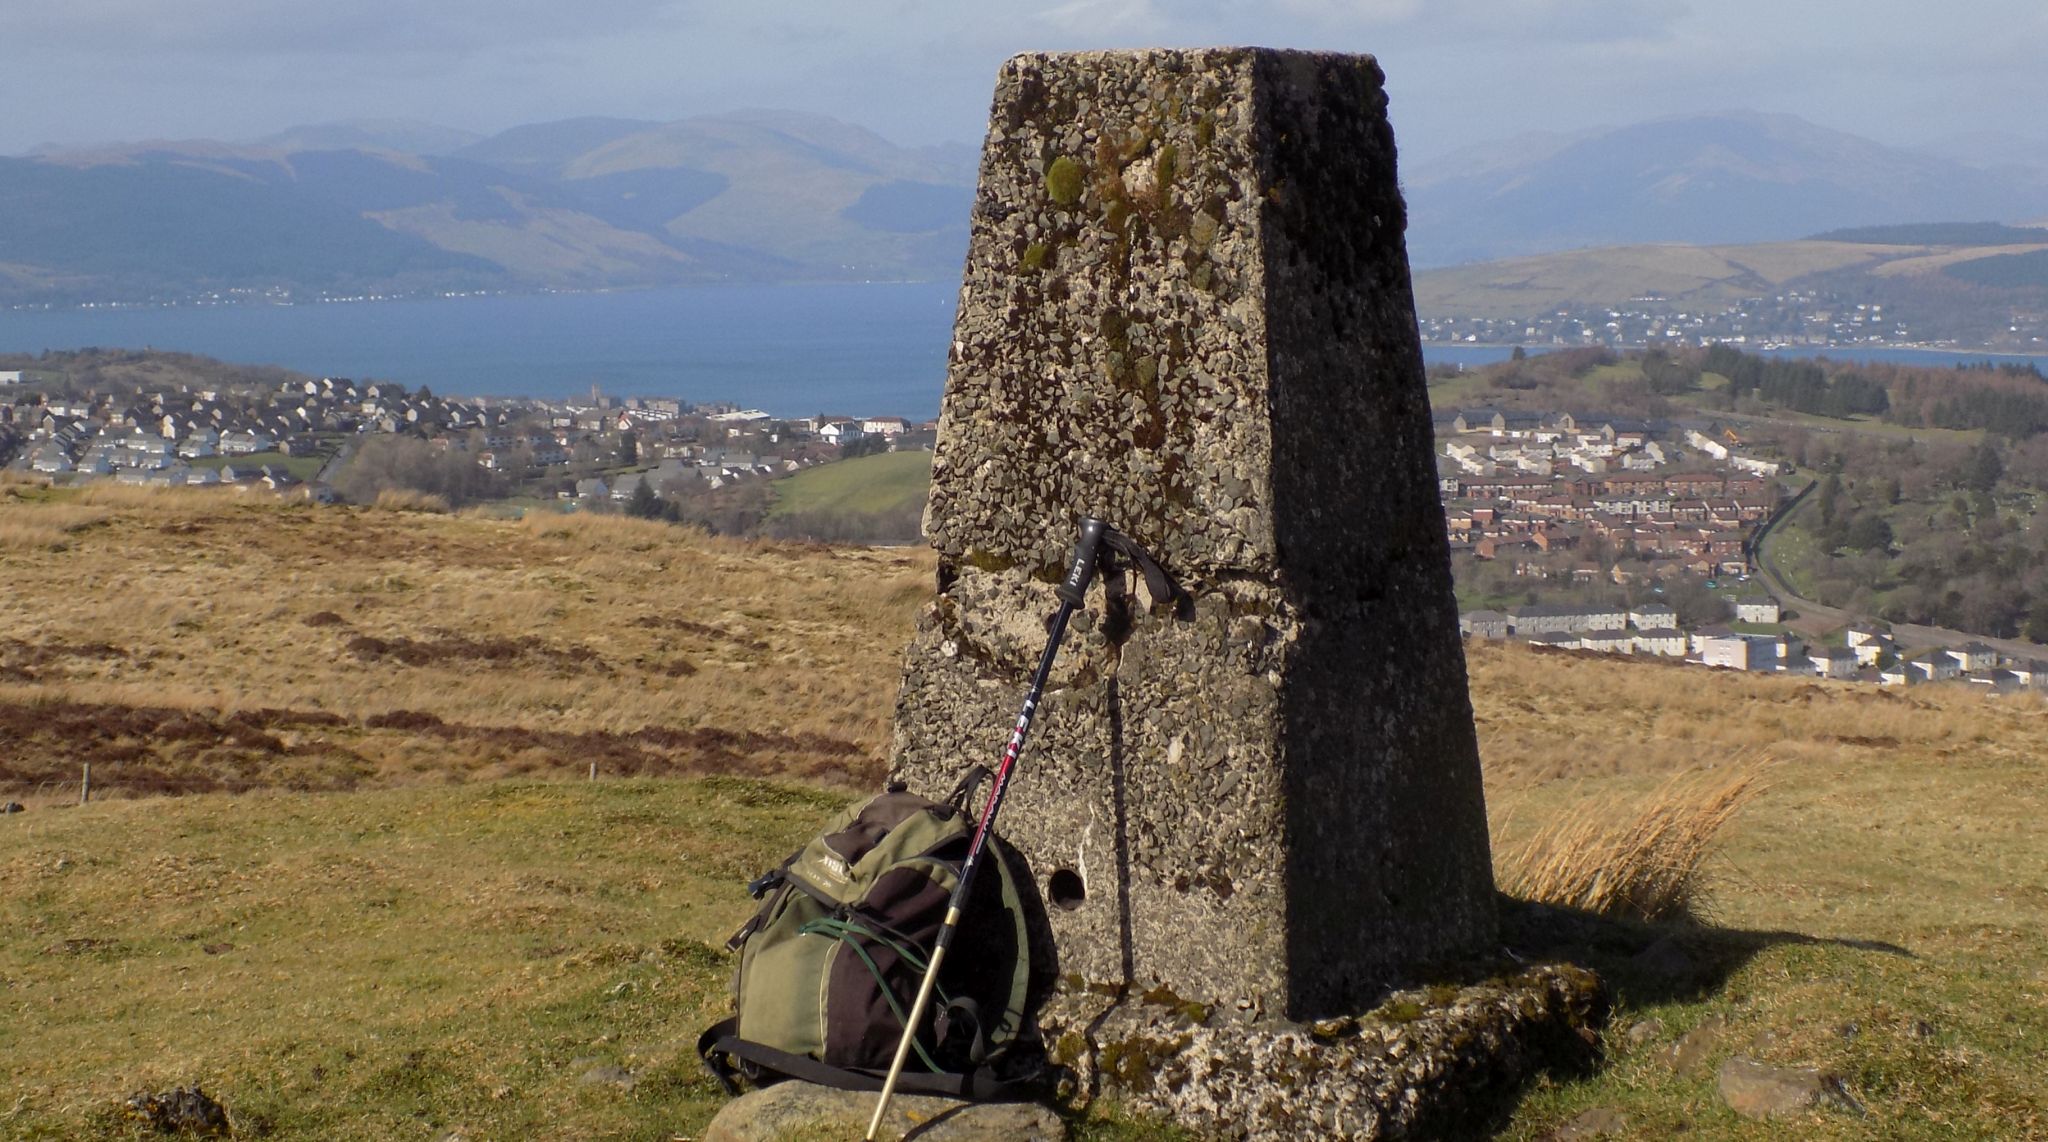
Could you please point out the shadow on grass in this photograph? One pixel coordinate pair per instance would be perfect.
(1683, 961)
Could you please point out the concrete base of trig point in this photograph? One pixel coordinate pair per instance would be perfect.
(1187, 310)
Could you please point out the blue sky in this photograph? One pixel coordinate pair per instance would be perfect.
(1460, 72)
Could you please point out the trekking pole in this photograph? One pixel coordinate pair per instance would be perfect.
(1072, 590)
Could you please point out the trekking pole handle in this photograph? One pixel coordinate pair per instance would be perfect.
(1073, 590)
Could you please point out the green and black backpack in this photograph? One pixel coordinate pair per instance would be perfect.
(832, 961)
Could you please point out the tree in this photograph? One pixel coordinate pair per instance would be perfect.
(1983, 469)
(1867, 532)
(629, 449)
(643, 503)
(1830, 496)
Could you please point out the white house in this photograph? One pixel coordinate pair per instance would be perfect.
(1859, 633)
(1608, 641)
(1483, 624)
(1653, 616)
(201, 443)
(1706, 444)
(1756, 609)
(1834, 661)
(1734, 651)
(1869, 651)
(1668, 642)
(50, 460)
(10, 377)
(1973, 656)
(839, 432)
(246, 443)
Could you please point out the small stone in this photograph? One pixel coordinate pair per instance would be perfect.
(1756, 1091)
(1643, 1031)
(1689, 1054)
(785, 1109)
(609, 1075)
(1599, 1122)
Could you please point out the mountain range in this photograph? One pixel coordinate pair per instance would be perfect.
(396, 206)
(345, 209)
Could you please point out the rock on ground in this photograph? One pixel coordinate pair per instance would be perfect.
(1754, 1090)
(799, 1111)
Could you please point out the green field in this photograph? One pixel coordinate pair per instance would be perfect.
(302, 468)
(865, 485)
(404, 963)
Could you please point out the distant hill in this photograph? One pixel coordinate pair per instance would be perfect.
(1926, 277)
(1738, 177)
(1940, 234)
(408, 136)
(583, 203)
(387, 206)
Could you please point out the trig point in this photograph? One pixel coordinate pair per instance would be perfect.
(1187, 311)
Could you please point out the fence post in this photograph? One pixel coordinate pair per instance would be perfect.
(85, 785)
(593, 771)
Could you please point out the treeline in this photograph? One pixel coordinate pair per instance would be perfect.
(2009, 399)
(1799, 385)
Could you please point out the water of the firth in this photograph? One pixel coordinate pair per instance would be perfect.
(863, 350)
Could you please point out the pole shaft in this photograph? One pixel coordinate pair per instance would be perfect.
(924, 999)
(974, 851)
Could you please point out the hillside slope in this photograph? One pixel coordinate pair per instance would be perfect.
(1889, 273)
(535, 955)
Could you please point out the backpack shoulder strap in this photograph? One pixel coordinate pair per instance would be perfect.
(729, 1058)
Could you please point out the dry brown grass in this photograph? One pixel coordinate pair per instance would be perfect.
(409, 500)
(1543, 716)
(1615, 855)
(534, 647)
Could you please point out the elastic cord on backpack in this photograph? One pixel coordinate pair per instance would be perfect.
(851, 935)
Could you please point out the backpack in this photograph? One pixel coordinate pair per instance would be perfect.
(832, 960)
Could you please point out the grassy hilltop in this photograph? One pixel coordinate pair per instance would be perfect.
(389, 903)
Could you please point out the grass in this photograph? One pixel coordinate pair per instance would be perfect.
(1877, 911)
(865, 484)
(391, 647)
(302, 468)
(418, 951)
(1609, 856)
(389, 964)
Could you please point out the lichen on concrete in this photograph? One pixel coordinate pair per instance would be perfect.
(1186, 310)
(1431, 1062)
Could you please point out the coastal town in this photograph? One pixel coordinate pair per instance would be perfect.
(1634, 508)
(1793, 319)
(295, 437)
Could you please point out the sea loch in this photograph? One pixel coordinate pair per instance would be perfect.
(872, 349)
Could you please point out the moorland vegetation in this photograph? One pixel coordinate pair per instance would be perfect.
(346, 868)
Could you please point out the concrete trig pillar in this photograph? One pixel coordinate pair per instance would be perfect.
(1187, 310)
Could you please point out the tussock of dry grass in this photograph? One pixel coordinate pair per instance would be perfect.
(1614, 855)
(409, 500)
